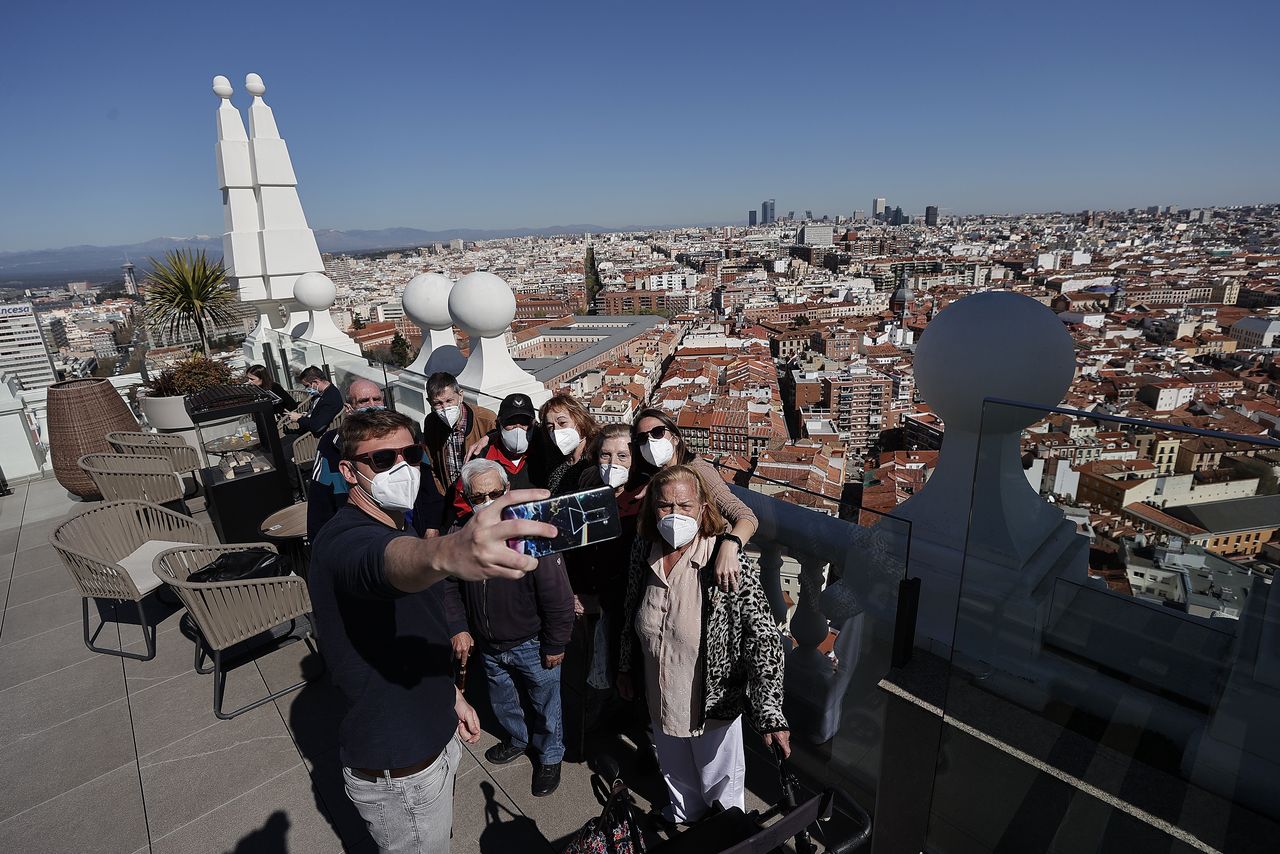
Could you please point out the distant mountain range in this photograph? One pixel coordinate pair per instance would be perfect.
(42, 267)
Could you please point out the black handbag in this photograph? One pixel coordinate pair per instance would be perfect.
(241, 566)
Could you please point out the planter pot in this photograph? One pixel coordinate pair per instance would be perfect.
(81, 413)
(169, 415)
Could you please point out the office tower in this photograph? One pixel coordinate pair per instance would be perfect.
(808, 214)
(767, 216)
(898, 218)
(130, 283)
(751, 218)
(23, 353)
(931, 216)
(878, 207)
(791, 215)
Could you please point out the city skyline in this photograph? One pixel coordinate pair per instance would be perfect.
(565, 116)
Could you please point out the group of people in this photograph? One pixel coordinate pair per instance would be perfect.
(412, 579)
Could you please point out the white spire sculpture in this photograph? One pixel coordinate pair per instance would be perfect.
(268, 243)
(484, 306)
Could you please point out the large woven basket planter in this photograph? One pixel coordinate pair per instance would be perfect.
(81, 413)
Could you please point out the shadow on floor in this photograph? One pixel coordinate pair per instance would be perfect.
(505, 831)
(271, 838)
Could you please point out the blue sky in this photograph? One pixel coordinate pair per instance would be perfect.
(497, 115)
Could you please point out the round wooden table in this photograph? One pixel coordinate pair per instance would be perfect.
(287, 530)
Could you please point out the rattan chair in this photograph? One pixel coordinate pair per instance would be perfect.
(230, 612)
(184, 458)
(109, 551)
(134, 477)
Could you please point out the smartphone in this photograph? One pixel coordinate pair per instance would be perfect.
(582, 518)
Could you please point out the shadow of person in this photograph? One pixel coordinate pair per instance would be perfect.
(271, 838)
(515, 832)
(314, 713)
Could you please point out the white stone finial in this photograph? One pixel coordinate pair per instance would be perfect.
(222, 87)
(254, 84)
(426, 302)
(315, 291)
(482, 304)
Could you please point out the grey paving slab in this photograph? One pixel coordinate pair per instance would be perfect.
(35, 532)
(30, 586)
(279, 814)
(9, 536)
(51, 613)
(177, 706)
(561, 812)
(103, 814)
(11, 508)
(485, 820)
(41, 654)
(37, 559)
(63, 757)
(36, 705)
(213, 765)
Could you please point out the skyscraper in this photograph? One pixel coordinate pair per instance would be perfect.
(931, 216)
(751, 218)
(767, 216)
(23, 353)
(878, 207)
(130, 283)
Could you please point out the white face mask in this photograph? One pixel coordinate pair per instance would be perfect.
(677, 529)
(516, 440)
(477, 508)
(449, 414)
(658, 452)
(614, 475)
(397, 487)
(567, 438)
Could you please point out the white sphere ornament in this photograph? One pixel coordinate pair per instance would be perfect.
(426, 300)
(482, 304)
(222, 87)
(315, 291)
(993, 344)
(254, 84)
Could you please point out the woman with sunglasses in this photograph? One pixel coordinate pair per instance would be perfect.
(659, 445)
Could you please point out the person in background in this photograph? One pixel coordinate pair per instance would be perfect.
(521, 628)
(382, 631)
(658, 443)
(451, 428)
(283, 401)
(598, 576)
(570, 427)
(325, 407)
(328, 489)
(710, 654)
(508, 446)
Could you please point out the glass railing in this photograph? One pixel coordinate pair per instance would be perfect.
(1114, 674)
(834, 587)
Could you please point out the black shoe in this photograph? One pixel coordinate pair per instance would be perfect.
(546, 779)
(503, 752)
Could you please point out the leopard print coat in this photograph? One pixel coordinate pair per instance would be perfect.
(741, 645)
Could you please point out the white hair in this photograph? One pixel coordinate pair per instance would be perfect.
(479, 466)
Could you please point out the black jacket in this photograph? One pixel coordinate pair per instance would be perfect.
(326, 408)
(505, 613)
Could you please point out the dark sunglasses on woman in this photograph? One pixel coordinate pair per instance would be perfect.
(384, 458)
(656, 433)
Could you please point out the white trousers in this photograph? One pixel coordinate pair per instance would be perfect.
(701, 770)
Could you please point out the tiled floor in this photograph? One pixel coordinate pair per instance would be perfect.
(105, 754)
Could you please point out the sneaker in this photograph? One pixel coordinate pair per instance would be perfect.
(546, 779)
(503, 752)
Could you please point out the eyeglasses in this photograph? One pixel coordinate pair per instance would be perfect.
(482, 497)
(360, 401)
(384, 458)
(656, 433)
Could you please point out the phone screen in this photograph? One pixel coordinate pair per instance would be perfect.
(582, 518)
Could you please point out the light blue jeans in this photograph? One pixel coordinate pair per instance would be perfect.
(524, 663)
(411, 814)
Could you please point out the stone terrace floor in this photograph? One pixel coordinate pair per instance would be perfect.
(100, 753)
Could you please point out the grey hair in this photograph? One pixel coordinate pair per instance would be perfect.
(479, 466)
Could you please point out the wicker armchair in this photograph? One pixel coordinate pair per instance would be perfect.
(134, 477)
(184, 458)
(109, 550)
(230, 612)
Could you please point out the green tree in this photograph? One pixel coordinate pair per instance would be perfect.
(185, 287)
(356, 323)
(401, 353)
(593, 278)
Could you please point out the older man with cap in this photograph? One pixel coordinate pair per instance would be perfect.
(522, 627)
(508, 446)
